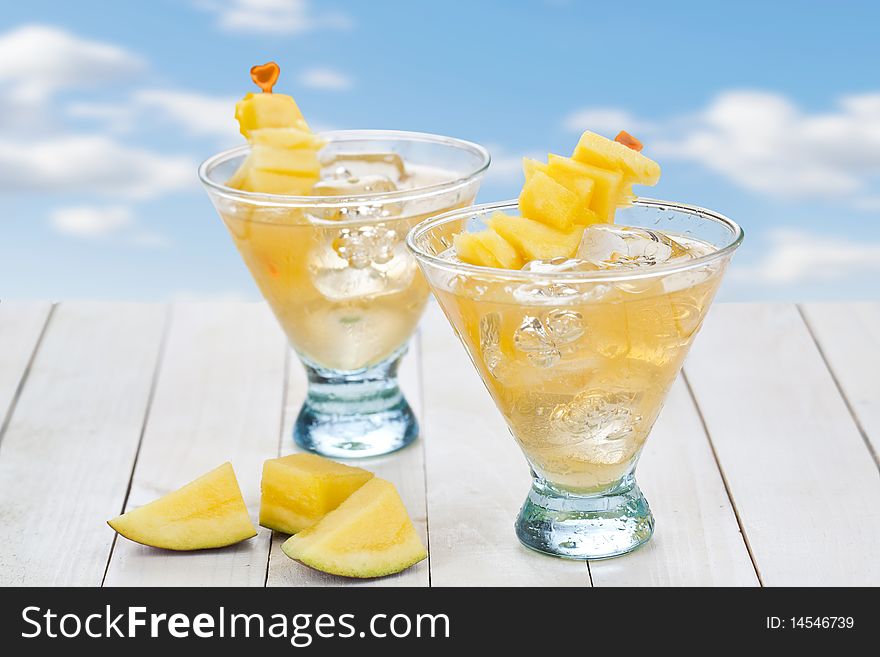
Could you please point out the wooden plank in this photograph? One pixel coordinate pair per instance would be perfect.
(849, 337)
(66, 458)
(21, 325)
(218, 398)
(696, 540)
(405, 469)
(801, 478)
(477, 478)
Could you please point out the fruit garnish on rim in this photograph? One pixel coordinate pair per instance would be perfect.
(265, 75)
(560, 201)
(623, 137)
(284, 151)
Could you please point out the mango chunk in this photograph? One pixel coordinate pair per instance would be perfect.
(270, 182)
(486, 248)
(544, 199)
(607, 184)
(300, 489)
(286, 138)
(262, 110)
(292, 161)
(573, 180)
(602, 152)
(535, 240)
(369, 535)
(206, 513)
(502, 250)
(470, 250)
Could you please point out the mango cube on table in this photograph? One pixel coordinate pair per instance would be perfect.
(300, 489)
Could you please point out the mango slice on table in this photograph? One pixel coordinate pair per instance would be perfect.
(206, 513)
(369, 535)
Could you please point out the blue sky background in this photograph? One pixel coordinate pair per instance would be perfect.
(767, 112)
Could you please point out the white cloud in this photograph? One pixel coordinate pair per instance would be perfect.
(505, 168)
(37, 60)
(273, 16)
(325, 78)
(99, 223)
(199, 115)
(90, 164)
(765, 143)
(607, 121)
(797, 256)
(91, 222)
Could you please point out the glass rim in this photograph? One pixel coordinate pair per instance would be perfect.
(580, 276)
(341, 201)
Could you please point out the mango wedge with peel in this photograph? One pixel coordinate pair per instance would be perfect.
(550, 202)
(206, 513)
(602, 152)
(487, 249)
(262, 110)
(369, 535)
(534, 240)
(300, 489)
(606, 189)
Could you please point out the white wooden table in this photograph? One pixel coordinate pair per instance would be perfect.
(761, 471)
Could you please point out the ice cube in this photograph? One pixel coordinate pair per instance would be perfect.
(613, 247)
(600, 416)
(389, 165)
(351, 185)
(546, 339)
(362, 262)
(561, 264)
(366, 245)
(490, 342)
(543, 293)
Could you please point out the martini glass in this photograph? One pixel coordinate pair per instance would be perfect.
(579, 363)
(336, 273)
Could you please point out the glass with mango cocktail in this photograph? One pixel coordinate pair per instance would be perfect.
(320, 221)
(578, 326)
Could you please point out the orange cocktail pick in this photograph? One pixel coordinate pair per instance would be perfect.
(265, 76)
(623, 137)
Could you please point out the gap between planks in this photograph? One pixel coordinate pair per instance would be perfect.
(788, 445)
(160, 355)
(837, 382)
(29, 362)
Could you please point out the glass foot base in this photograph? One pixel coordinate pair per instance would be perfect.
(355, 414)
(596, 526)
(355, 436)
